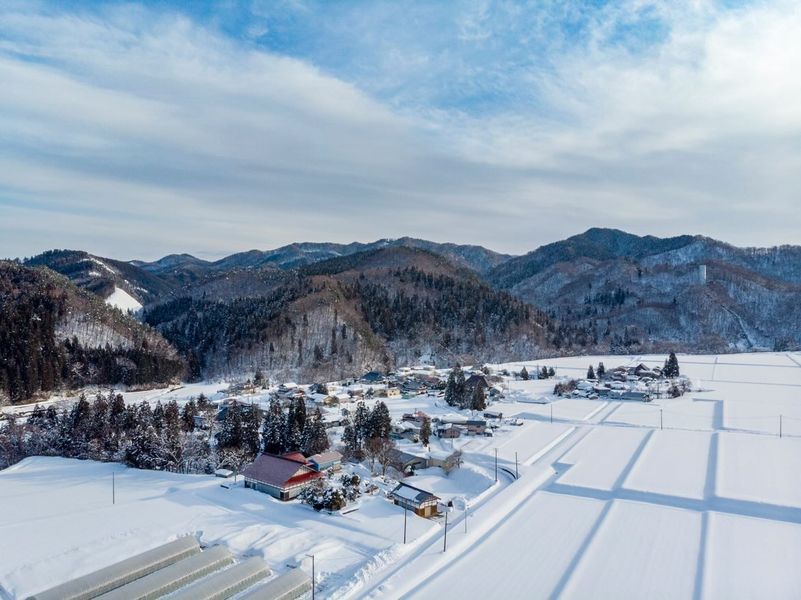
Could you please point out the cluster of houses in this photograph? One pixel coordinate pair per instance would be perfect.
(639, 382)
(284, 477)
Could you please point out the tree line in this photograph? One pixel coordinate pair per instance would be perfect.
(163, 437)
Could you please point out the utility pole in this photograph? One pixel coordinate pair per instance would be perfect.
(465, 514)
(313, 581)
(445, 540)
(516, 474)
(660, 418)
(496, 465)
(550, 404)
(113, 489)
(404, 524)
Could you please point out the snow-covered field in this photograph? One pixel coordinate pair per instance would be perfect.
(121, 299)
(689, 497)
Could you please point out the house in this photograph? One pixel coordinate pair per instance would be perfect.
(476, 380)
(286, 390)
(372, 377)
(389, 392)
(412, 386)
(447, 461)
(406, 430)
(406, 463)
(423, 503)
(326, 461)
(281, 477)
(448, 431)
(493, 414)
(417, 417)
(476, 427)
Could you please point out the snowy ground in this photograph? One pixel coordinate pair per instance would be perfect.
(121, 299)
(691, 497)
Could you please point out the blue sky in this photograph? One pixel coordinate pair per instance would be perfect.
(138, 129)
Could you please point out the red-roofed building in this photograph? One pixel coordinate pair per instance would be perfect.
(282, 477)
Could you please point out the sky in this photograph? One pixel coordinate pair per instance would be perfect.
(135, 130)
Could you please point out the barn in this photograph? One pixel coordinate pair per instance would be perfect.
(282, 477)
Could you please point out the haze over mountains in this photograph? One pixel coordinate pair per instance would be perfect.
(323, 310)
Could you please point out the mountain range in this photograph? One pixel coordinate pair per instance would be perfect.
(324, 310)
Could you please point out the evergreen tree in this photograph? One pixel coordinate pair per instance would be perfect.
(601, 370)
(544, 372)
(116, 415)
(455, 390)
(524, 374)
(380, 421)
(316, 438)
(361, 424)
(230, 435)
(188, 415)
(551, 372)
(273, 429)
(350, 439)
(590, 373)
(294, 436)
(671, 366)
(425, 431)
(158, 417)
(251, 441)
(478, 401)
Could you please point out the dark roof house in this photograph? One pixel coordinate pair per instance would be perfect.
(281, 477)
(423, 503)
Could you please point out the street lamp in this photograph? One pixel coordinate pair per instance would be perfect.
(313, 581)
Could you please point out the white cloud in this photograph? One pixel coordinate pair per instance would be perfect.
(135, 133)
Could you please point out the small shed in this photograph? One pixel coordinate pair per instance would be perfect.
(326, 461)
(423, 503)
(449, 431)
(405, 462)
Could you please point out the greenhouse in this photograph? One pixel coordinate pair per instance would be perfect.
(226, 583)
(289, 586)
(116, 575)
(173, 577)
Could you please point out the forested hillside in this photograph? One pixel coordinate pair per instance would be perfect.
(54, 335)
(373, 310)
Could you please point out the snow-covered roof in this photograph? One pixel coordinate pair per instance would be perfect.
(113, 576)
(405, 491)
(277, 470)
(292, 584)
(325, 457)
(227, 582)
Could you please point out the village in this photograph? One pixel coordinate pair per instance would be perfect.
(394, 474)
(429, 436)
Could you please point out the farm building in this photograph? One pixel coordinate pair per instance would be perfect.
(325, 461)
(173, 577)
(288, 586)
(449, 431)
(405, 462)
(282, 477)
(445, 460)
(125, 571)
(423, 503)
(227, 583)
(476, 427)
